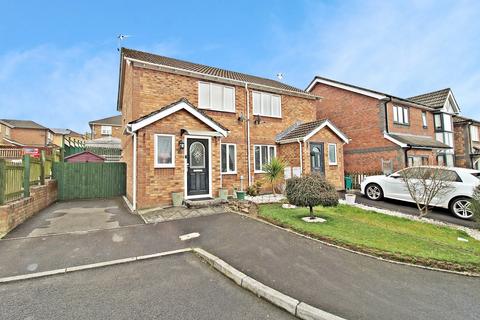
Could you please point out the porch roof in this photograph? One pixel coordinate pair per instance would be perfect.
(182, 104)
(415, 141)
(304, 131)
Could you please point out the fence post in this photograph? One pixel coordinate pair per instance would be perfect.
(3, 181)
(62, 154)
(26, 175)
(42, 167)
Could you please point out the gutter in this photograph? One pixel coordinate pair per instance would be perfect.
(134, 191)
(385, 110)
(406, 155)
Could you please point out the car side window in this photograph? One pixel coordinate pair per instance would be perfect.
(449, 175)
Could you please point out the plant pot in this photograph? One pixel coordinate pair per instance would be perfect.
(223, 193)
(241, 195)
(350, 198)
(177, 198)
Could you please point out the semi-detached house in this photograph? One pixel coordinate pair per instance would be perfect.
(387, 133)
(194, 129)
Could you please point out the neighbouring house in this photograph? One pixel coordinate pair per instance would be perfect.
(193, 129)
(387, 133)
(84, 156)
(446, 107)
(5, 131)
(106, 127)
(60, 134)
(27, 133)
(467, 142)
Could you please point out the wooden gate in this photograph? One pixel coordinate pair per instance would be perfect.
(90, 180)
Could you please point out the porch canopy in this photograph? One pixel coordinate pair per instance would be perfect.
(304, 131)
(182, 104)
(415, 141)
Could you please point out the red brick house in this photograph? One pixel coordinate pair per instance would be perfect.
(194, 129)
(106, 127)
(387, 133)
(25, 133)
(467, 142)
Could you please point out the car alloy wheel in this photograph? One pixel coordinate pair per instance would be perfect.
(462, 208)
(374, 192)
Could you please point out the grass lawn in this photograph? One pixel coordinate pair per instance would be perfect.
(390, 237)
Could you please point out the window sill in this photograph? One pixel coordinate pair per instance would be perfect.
(262, 115)
(401, 124)
(333, 164)
(256, 171)
(217, 110)
(229, 173)
(169, 166)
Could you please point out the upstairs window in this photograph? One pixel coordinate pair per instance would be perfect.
(438, 122)
(106, 130)
(216, 97)
(400, 115)
(424, 119)
(474, 133)
(266, 104)
(263, 154)
(7, 131)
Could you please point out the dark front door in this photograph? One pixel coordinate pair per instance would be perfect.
(316, 158)
(197, 167)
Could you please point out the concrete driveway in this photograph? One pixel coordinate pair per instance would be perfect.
(76, 216)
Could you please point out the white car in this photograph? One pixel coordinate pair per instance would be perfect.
(457, 200)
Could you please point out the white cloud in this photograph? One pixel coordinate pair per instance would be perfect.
(404, 48)
(58, 87)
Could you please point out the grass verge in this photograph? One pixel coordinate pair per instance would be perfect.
(381, 235)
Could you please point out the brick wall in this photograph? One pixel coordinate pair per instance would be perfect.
(29, 136)
(362, 119)
(16, 212)
(97, 131)
(462, 156)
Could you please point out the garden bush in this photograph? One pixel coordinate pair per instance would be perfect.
(310, 191)
(476, 205)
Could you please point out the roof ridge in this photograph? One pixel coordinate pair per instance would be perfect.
(236, 75)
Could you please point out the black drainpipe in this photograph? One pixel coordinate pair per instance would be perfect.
(386, 112)
(406, 155)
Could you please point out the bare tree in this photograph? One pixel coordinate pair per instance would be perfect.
(427, 185)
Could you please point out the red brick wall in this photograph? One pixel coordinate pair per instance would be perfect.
(16, 212)
(97, 131)
(362, 119)
(29, 136)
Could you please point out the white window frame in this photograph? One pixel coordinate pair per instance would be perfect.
(7, 132)
(261, 104)
(336, 154)
(228, 145)
(401, 115)
(424, 119)
(209, 107)
(155, 148)
(268, 155)
(106, 132)
(474, 133)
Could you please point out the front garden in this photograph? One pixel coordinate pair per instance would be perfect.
(381, 235)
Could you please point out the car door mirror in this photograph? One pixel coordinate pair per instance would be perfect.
(394, 176)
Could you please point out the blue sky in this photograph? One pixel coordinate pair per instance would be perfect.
(59, 64)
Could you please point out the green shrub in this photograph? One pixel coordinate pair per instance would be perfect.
(274, 172)
(310, 191)
(254, 190)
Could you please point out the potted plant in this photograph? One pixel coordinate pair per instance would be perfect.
(177, 199)
(240, 195)
(350, 197)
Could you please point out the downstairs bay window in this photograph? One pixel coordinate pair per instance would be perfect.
(263, 154)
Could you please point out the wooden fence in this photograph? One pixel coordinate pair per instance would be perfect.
(11, 153)
(89, 180)
(110, 154)
(16, 177)
(358, 177)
